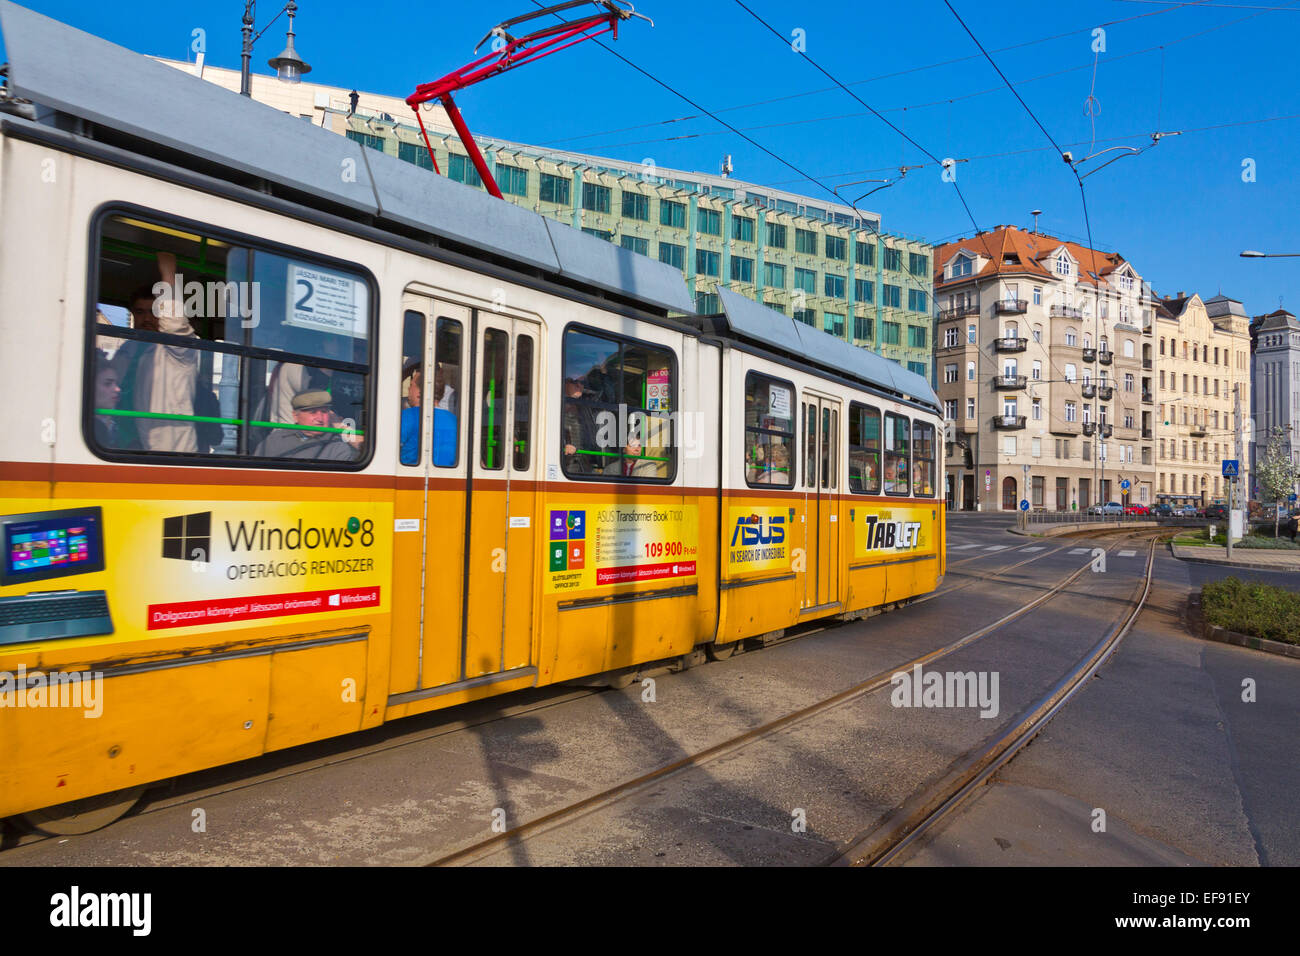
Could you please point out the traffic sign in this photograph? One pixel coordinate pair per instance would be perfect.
(1293, 496)
(1024, 504)
(1231, 467)
(1126, 484)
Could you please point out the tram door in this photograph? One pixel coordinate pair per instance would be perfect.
(821, 424)
(502, 496)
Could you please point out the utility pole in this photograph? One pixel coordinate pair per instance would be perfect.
(1237, 449)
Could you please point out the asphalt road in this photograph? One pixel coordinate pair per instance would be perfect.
(1185, 771)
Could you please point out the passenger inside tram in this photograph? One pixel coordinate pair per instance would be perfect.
(410, 436)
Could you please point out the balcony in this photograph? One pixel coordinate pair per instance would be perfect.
(1004, 382)
(1011, 306)
(1198, 431)
(1065, 312)
(959, 312)
(1089, 428)
(1105, 431)
(1146, 434)
(1090, 355)
(1148, 398)
(1105, 392)
(1089, 390)
(1009, 422)
(1146, 365)
(1105, 358)
(1011, 344)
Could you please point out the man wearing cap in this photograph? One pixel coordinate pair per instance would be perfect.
(312, 410)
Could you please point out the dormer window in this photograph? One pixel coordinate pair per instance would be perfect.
(1126, 283)
(1063, 266)
(961, 266)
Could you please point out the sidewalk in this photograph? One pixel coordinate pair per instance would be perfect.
(1241, 557)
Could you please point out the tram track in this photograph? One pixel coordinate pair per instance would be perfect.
(928, 808)
(572, 812)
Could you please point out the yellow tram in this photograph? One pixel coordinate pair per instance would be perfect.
(303, 439)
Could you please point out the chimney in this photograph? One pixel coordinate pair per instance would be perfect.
(1180, 294)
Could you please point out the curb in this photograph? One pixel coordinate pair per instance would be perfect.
(1221, 635)
(1224, 563)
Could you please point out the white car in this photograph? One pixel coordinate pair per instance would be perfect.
(1109, 508)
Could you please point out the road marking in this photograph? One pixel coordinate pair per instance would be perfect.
(1127, 554)
(997, 547)
(1080, 550)
(1030, 550)
(960, 547)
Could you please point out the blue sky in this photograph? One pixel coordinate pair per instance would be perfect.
(1180, 212)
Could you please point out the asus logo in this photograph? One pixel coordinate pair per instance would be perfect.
(749, 530)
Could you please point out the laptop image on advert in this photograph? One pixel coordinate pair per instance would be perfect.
(45, 545)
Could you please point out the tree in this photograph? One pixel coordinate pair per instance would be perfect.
(1276, 472)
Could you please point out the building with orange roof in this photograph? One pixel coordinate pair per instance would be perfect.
(1045, 366)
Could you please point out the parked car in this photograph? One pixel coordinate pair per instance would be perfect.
(1109, 508)
(1137, 510)
(1217, 511)
(1163, 510)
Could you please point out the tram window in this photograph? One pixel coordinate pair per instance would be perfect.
(864, 449)
(210, 346)
(835, 449)
(619, 399)
(826, 447)
(922, 459)
(896, 436)
(809, 445)
(411, 420)
(496, 354)
(446, 393)
(769, 431)
(523, 401)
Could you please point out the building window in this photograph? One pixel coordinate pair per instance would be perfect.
(862, 327)
(511, 180)
(742, 229)
(806, 280)
(636, 206)
(777, 236)
(595, 198)
(1063, 266)
(1037, 370)
(1037, 409)
(710, 221)
(599, 233)
(834, 286)
(971, 334)
(773, 275)
(864, 290)
(916, 300)
(894, 260)
(673, 254)
(806, 316)
(970, 371)
(970, 408)
(555, 189)
(672, 214)
(917, 337)
(742, 269)
(893, 296)
(1070, 411)
(1069, 372)
(636, 244)
(415, 154)
(374, 142)
(1038, 295)
(961, 266)
(462, 170)
(805, 241)
(950, 409)
(917, 264)
(837, 248)
(864, 253)
(834, 324)
(889, 333)
(951, 337)
(708, 263)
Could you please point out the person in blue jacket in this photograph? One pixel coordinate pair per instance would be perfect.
(411, 419)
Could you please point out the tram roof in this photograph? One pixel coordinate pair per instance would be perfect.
(72, 72)
(757, 323)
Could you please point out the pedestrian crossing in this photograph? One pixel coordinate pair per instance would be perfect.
(996, 547)
(1032, 550)
(961, 547)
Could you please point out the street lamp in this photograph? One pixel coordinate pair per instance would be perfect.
(288, 66)
(1252, 254)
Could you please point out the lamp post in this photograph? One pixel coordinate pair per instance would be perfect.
(288, 66)
(1252, 254)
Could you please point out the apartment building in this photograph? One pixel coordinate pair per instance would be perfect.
(823, 263)
(1045, 365)
(1275, 377)
(1203, 375)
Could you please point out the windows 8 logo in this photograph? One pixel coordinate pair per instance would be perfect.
(187, 537)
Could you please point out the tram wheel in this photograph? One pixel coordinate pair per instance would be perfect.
(82, 816)
(720, 652)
